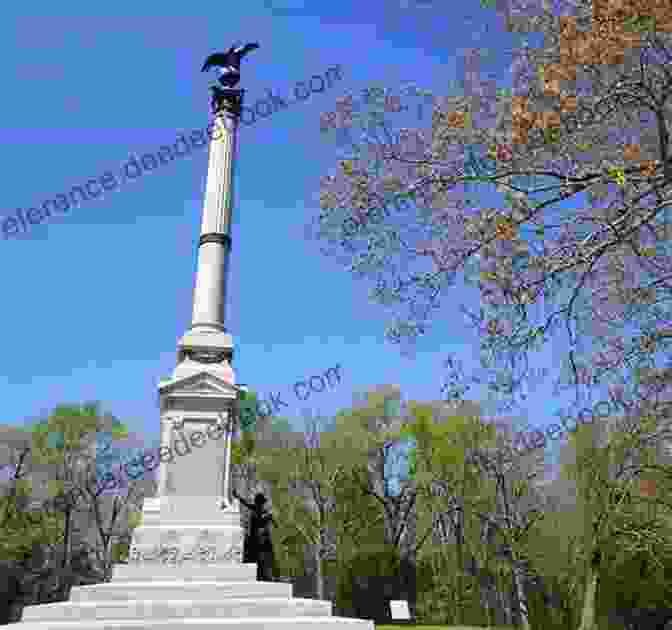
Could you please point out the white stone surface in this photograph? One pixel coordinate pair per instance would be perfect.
(178, 597)
(213, 258)
(194, 411)
(195, 571)
(250, 623)
(188, 368)
(182, 608)
(178, 589)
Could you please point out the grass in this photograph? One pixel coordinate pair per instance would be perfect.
(393, 627)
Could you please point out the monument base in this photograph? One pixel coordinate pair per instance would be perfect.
(188, 529)
(197, 596)
(189, 588)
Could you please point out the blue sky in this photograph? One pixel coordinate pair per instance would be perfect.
(96, 301)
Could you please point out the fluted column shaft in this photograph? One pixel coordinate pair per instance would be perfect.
(215, 241)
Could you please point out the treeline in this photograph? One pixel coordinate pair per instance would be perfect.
(58, 528)
(470, 531)
(422, 501)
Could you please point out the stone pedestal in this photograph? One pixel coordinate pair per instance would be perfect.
(193, 516)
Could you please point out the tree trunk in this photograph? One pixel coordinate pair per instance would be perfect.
(522, 598)
(107, 557)
(489, 590)
(459, 541)
(588, 613)
(504, 600)
(67, 536)
(319, 577)
(484, 596)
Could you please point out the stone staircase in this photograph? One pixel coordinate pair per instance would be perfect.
(215, 591)
(213, 595)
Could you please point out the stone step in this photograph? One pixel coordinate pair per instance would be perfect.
(177, 589)
(194, 524)
(198, 522)
(182, 609)
(251, 623)
(197, 572)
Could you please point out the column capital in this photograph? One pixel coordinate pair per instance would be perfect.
(226, 101)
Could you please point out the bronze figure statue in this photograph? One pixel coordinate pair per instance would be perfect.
(258, 545)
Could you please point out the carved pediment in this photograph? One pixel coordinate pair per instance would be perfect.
(203, 387)
(203, 383)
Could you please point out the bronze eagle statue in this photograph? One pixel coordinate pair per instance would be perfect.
(228, 63)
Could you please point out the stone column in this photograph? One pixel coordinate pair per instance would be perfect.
(206, 346)
(215, 242)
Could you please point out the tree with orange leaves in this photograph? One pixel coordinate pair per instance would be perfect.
(601, 267)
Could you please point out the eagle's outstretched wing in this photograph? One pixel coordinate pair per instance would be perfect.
(246, 49)
(216, 59)
(231, 57)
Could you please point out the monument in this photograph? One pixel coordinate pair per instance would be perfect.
(185, 566)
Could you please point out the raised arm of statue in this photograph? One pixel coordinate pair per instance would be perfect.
(249, 506)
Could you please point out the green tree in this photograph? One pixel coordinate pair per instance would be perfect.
(25, 527)
(450, 489)
(372, 431)
(72, 442)
(553, 553)
(511, 510)
(613, 464)
(253, 425)
(248, 411)
(64, 442)
(243, 448)
(636, 588)
(305, 474)
(121, 548)
(374, 435)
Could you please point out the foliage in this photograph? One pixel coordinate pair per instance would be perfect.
(620, 520)
(119, 430)
(121, 548)
(322, 488)
(361, 586)
(248, 411)
(633, 586)
(242, 450)
(64, 431)
(549, 543)
(304, 477)
(250, 427)
(484, 512)
(120, 551)
(373, 433)
(553, 552)
(442, 598)
(600, 269)
(23, 530)
(66, 444)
